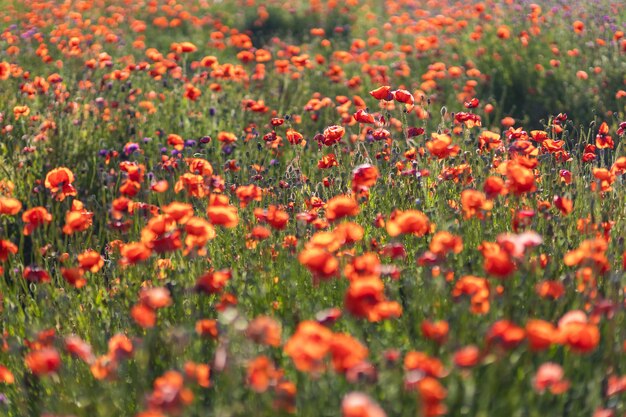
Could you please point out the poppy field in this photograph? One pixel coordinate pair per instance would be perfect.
(348, 208)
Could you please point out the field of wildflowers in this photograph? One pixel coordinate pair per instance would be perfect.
(351, 208)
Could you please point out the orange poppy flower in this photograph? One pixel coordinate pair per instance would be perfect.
(59, 182)
(477, 289)
(183, 47)
(10, 206)
(213, 282)
(591, 252)
(603, 140)
(432, 394)
(294, 137)
(362, 116)
(7, 248)
(363, 297)
(605, 179)
(120, 347)
(552, 146)
(264, 330)
(5, 70)
(420, 361)
(199, 166)
(207, 327)
(6, 376)
(494, 186)
(508, 121)
(104, 367)
(405, 97)
(192, 92)
(290, 241)
(506, 334)
(226, 300)
(169, 394)
(578, 26)
(74, 276)
(520, 179)
(364, 176)
(541, 334)
(503, 32)
(498, 261)
(577, 333)
(248, 193)
(161, 234)
(308, 346)
(441, 146)
(134, 252)
(199, 372)
(180, 212)
(192, 183)
(261, 374)
(349, 232)
(160, 186)
(44, 361)
(223, 215)
(489, 141)
(176, 141)
(408, 222)
(277, 218)
(327, 161)
(550, 289)
(619, 166)
(34, 218)
(366, 265)
(382, 93)
(386, 310)
(615, 385)
(130, 187)
(436, 331)
(332, 135)
(199, 232)
(77, 219)
(474, 204)
(325, 240)
(466, 357)
(285, 396)
(21, 111)
(143, 315)
(259, 233)
(564, 204)
(346, 352)
(320, 262)
(444, 242)
(341, 206)
(90, 260)
(226, 137)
